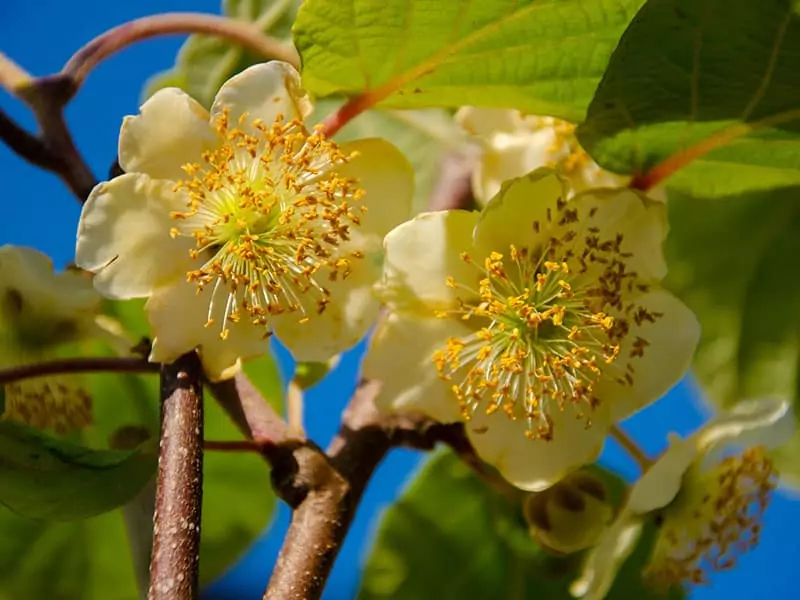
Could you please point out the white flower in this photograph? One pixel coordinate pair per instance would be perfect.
(514, 144)
(707, 493)
(41, 311)
(538, 322)
(242, 223)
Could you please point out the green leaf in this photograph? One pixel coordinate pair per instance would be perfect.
(425, 137)
(45, 477)
(543, 57)
(694, 72)
(76, 560)
(205, 62)
(732, 261)
(452, 536)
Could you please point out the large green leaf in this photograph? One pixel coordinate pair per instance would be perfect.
(77, 560)
(733, 261)
(541, 56)
(205, 62)
(45, 477)
(452, 537)
(689, 73)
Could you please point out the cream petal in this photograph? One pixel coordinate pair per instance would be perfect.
(124, 236)
(510, 156)
(387, 179)
(21, 262)
(672, 341)
(177, 316)
(263, 91)
(45, 293)
(602, 562)
(484, 122)
(641, 221)
(419, 256)
(768, 422)
(534, 465)
(40, 306)
(508, 219)
(400, 355)
(352, 310)
(659, 485)
(171, 130)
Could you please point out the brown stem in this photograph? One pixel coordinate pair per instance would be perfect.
(251, 413)
(47, 97)
(631, 447)
(78, 365)
(179, 486)
(232, 446)
(28, 147)
(53, 149)
(113, 40)
(333, 483)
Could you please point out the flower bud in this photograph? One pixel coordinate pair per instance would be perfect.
(571, 515)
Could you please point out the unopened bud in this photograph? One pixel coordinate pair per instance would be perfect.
(571, 515)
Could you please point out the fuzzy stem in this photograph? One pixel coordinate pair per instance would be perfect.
(114, 40)
(175, 558)
(107, 364)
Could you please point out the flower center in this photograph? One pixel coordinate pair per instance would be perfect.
(715, 518)
(544, 331)
(268, 214)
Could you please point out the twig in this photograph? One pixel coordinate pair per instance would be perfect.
(48, 97)
(12, 76)
(53, 149)
(179, 488)
(113, 40)
(26, 146)
(107, 364)
(251, 413)
(334, 484)
(631, 447)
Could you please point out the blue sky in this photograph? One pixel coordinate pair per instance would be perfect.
(41, 36)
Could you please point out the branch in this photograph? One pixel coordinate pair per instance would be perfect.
(332, 486)
(78, 365)
(113, 40)
(53, 149)
(12, 76)
(28, 147)
(179, 488)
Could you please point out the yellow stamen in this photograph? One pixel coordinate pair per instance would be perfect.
(268, 214)
(715, 518)
(550, 322)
